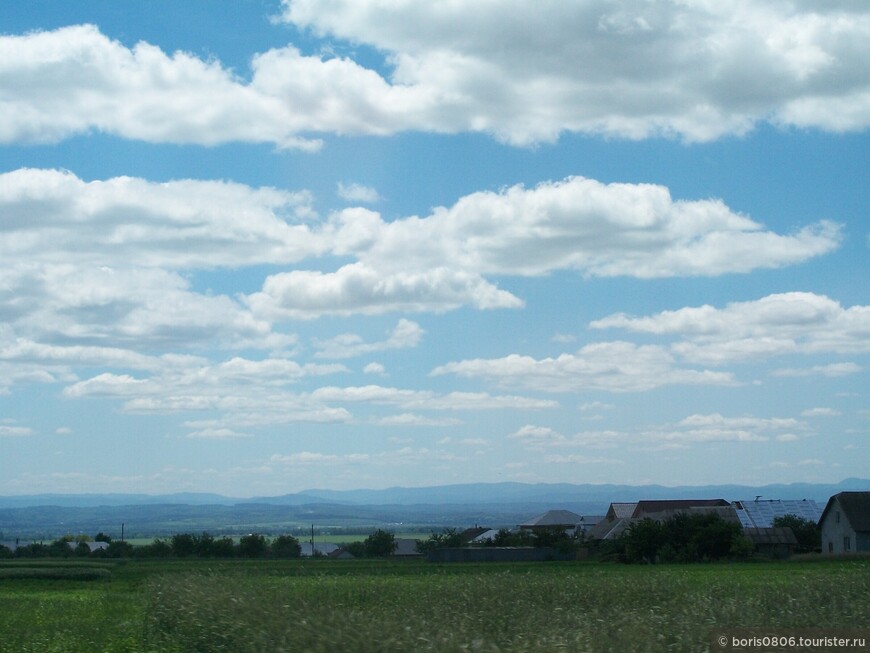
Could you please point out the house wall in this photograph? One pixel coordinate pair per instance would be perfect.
(835, 528)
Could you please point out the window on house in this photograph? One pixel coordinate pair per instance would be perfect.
(847, 545)
(830, 547)
(838, 517)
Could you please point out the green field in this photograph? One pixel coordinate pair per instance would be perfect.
(370, 605)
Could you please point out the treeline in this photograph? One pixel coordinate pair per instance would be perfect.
(380, 543)
(182, 545)
(556, 538)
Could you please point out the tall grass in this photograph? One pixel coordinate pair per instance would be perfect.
(498, 608)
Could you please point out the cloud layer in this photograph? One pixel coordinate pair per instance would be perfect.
(522, 71)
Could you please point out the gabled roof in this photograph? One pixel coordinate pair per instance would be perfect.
(486, 535)
(645, 508)
(406, 547)
(554, 518)
(621, 510)
(608, 529)
(470, 534)
(856, 505)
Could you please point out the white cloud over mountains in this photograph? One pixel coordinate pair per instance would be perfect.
(523, 71)
(98, 275)
(798, 323)
(779, 324)
(104, 262)
(694, 430)
(610, 366)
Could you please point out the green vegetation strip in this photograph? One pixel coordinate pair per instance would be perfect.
(386, 606)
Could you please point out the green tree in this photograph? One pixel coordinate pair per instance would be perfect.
(117, 549)
(253, 545)
(157, 549)
(59, 549)
(356, 549)
(807, 532)
(286, 546)
(82, 550)
(643, 540)
(183, 545)
(223, 547)
(448, 538)
(380, 544)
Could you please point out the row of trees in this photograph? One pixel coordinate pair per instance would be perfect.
(182, 545)
(185, 545)
(556, 538)
(699, 538)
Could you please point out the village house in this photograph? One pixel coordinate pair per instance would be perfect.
(845, 523)
(563, 520)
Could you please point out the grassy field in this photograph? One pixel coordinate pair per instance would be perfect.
(310, 605)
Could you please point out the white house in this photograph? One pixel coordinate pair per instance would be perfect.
(845, 523)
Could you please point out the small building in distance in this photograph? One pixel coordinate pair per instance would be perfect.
(845, 523)
(564, 520)
(553, 519)
(318, 549)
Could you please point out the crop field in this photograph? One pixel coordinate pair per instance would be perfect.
(370, 605)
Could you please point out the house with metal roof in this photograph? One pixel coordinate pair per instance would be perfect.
(845, 523)
(662, 509)
(620, 516)
(760, 513)
(553, 519)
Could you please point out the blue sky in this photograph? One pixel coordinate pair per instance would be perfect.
(261, 246)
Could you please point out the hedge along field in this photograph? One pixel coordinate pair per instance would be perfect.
(372, 605)
(504, 608)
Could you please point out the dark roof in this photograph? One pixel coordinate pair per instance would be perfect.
(646, 507)
(772, 535)
(406, 547)
(856, 505)
(554, 518)
(470, 533)
(726, 513)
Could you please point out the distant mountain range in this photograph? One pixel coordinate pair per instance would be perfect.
(462, 494)
(400, 508)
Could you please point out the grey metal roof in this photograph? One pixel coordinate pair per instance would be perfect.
(774, 535)
(647, 507)
(554, 518)
(621, 510)
(322, 548)
(406, 547)
(608, 529)
(760, 513)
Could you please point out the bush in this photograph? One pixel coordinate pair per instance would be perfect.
(253, 546)
(286, 546)
(685, 537)
(808, 533)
